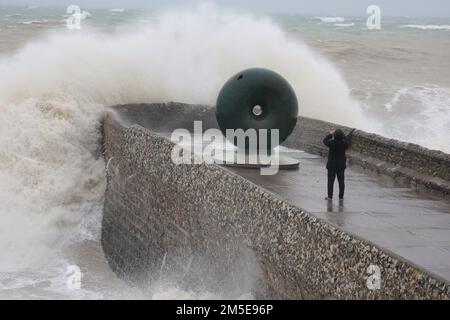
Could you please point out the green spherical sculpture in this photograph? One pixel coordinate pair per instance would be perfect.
(257, 99)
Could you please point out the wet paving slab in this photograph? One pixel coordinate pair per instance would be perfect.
(411, 224)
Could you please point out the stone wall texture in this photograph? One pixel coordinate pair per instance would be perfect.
(203, 227)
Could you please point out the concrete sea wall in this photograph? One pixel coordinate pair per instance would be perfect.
(203, 227)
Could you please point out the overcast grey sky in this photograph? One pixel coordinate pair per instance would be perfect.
(439, 8)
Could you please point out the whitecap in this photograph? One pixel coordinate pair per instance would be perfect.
(344, 25)
(35, 22)
(427, 27)
(118, 10)
(331, 19)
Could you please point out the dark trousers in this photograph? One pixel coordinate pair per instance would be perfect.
(332, 173)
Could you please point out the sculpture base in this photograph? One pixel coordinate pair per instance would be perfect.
(255, 161)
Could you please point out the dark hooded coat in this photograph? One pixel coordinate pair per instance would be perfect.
(337, 144)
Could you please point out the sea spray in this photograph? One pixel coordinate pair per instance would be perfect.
(54, 90)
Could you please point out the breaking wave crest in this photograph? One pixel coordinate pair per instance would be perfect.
(54, 90)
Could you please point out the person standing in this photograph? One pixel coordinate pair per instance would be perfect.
(338, 144)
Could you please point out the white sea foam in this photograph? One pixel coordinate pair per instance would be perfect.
(331, 19)
(44, 21)
(351, 24)
(428, 121)
(427, 27)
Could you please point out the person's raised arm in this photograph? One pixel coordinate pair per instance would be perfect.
(349, 138)
(328, 140)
